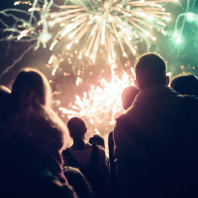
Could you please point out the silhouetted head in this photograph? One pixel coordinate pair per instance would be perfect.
(185, 84)
(150, 70)
(77, 128)
(31, 88)
(128, 95)
(78, 181)
(98, 140)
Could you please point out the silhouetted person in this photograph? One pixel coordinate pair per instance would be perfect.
(185, 84)
(128, 95)
(98, 140)
(32, 162)
(90, 159)
(78, 181)
(156, 139)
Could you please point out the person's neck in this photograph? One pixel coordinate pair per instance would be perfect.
(78, 144)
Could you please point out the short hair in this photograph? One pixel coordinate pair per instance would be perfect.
(77, 127)
(97, 139)
(185, 84)
(150, 70)
(31, 87)
(128, 95)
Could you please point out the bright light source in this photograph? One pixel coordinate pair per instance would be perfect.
(190, 16)
(178, 40)
(175, 34)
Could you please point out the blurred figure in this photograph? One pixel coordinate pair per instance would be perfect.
(32, 159)
(156, 139)
(185, 84)
(128, 95)
(98, 140)
(79, 182)
(90, 159)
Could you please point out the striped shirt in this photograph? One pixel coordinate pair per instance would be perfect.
(83, 157)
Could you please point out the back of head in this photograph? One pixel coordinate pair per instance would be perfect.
(98, 140)
(31, 88)
(77, 128)
(128, 95)
(78, 181)
(150, 70)
(185, 84)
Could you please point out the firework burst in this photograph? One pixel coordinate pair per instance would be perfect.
(101, 104)
(112, 25)
(116, 26)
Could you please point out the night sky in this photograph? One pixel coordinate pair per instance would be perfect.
(177, 55)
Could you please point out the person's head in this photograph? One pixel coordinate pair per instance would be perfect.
(98, 140)
(150, 70)
(128, 95)
(31, 87)
(185, 84)
(77, 128)
(78, 181)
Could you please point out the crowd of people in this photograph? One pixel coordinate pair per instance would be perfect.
(153, 148)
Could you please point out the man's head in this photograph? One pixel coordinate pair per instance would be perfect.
(77, 128)
(150, 70)
(185, 84)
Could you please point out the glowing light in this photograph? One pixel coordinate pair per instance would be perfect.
(178, 40)
(190, 16)
(91, 24)
(101, 104)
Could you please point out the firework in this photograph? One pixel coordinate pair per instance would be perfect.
(116, 26)
(112, 25)
(100, 106)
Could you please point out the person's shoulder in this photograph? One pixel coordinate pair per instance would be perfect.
(121, 118)
(189, 100)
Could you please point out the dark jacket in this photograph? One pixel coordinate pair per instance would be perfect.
(156, 145)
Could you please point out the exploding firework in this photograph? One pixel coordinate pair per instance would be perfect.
(108, 24)
(100, 106)
(115, 26)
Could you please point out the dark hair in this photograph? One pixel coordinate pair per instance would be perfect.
(185, 84)
(31, 87)
(31, 97)
(78, 181)
(98, 140)
(150, 70)
(77, 127)
(128, 95)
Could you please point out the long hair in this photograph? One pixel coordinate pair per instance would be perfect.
(31, 95)
(31, 88)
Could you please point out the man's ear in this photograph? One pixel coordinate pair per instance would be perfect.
(136, 84)
(167, 81)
